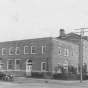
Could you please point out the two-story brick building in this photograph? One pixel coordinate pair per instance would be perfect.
(45, 54)
(76, 39)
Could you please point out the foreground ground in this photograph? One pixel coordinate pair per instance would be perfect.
(42, 83)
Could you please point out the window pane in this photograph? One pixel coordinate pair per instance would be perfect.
(72, 53)
(26, 50)
(59, 50)
(10, 62)
(43, 67)
(44, 49)
(3, 51)
(17, 61)
(33, 49)
(17, 50)
(11, 50)
(17, 66)
(9, 66)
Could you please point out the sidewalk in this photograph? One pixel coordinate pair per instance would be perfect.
(36, 80)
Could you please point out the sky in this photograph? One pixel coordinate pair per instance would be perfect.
(27, 19)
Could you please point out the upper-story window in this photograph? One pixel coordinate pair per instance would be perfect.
(11, 51)
(17, 52)
(77, 53)
(33, 49)
(66, 52)
(59, 50)
(86, 56)
(43, 49)
(72, 53)
(83, 55)
(3, 51)
(26, 49)
(86, 45)
(83, 44)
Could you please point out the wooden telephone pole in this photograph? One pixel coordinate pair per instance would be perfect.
(81, 52)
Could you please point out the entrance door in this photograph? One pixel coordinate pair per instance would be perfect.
(28, 67)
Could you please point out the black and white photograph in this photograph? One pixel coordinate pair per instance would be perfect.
(43, 43)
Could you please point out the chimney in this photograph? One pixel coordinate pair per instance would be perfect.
(62, 32)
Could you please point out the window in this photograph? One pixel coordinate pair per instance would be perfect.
(77, 69)
(83, 55)
(17, 50)
(86, 56)
(3, 51)
(17, 64)
(72, 53)
(9, 63)
(63, 36)
(11, 51)
(43, 49)
(66, 65)
(33, 49)
(26, 48)
(59, 50)
(76, 53)
(84, 44)
(43, 66)
(66, 52)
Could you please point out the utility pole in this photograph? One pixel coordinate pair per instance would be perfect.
(81, 52)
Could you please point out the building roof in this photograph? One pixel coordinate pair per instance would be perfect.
(73, 36)
(29, 40)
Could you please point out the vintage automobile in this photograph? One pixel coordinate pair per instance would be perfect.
(6, 77)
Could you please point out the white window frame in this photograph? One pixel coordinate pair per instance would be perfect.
(59, 48)
(77, 69)
(15, 64)
(77, 54)
(83, 44)
(31, 49)
(66, 64)
(42, 66)
(72, 52)
(43, 49)
(86, 56)
(65, 52)
(86, 45)
(8, 64)
(10, 50)
(83, 55)
(16, 51)
(24, 49)
(2, 51)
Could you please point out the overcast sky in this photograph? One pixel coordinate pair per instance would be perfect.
(25, 19)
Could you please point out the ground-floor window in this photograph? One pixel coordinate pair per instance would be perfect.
(66, 65)
(43, 66)
(17, 64)
(9, 64)
(77, 69)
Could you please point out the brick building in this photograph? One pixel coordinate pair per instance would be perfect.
(45, 54)
(76, 39)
